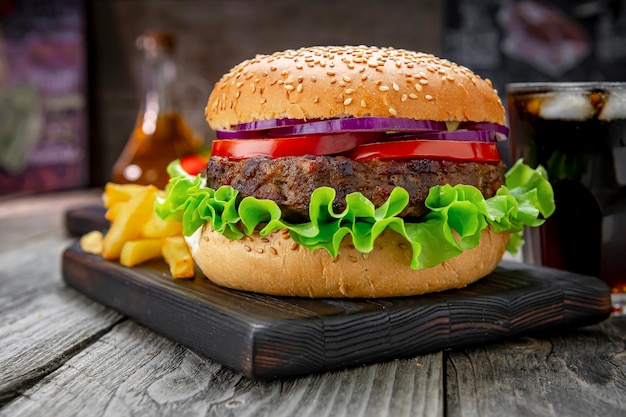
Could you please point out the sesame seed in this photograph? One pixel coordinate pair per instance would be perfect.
(413, 96)
(364, 77)
(346, 78)
(263, 100)
(403, 98)
(393, 111)
(428, 97)
(331, 73)
(342, 83)
(316, 100)
(259, 250)
(299, 88)
(252, 87)
(273, 250)
(422, 81)
(313, 78)
(289, 87)
(363, 103)
(347, 101)
(418, 87)
(395, 87)
(348, 91)
(247, 248)
(383, 88)
(284, 72)
(333, 80)
(239, 84)
(298, 66)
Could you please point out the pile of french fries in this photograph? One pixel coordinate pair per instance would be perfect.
(137, 234)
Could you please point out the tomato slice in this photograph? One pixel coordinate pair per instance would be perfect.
(294, 146)
(431, 149)
(193, 164)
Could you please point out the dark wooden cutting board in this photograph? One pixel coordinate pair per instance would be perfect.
(268, 337)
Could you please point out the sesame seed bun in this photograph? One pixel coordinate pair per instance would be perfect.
(332, 82)
(277, 265)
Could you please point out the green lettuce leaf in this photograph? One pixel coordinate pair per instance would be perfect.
(526, 199)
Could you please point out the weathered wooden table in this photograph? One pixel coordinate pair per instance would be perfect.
(63, 354)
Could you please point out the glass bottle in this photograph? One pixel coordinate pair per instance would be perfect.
(160, 134)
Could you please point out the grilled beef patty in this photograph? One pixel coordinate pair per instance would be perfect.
(290, 181)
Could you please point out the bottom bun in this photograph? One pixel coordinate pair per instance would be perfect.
(277, 265)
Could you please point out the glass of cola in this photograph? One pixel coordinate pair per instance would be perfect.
(577, 131)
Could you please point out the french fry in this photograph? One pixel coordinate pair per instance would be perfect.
(176, 254)
(114, 209)
(137, 234)
(157, 227)
(135, 252)
(92, 242)
(129, 222)
(114, 193)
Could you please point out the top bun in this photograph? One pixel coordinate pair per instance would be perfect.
(351, 81)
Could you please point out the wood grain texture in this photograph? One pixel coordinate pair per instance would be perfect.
(29, 218)
(133, 371)
(40, 331)
(267, 337)
(580, 373)
(42, 323)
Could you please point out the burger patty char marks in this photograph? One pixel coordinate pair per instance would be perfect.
(290, 181)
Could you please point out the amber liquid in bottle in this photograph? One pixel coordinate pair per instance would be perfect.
(160, 134)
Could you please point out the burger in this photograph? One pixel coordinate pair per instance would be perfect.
(354, 172)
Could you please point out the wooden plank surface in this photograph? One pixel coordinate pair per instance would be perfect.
(42, 322)
(132, 371)
(580, 373)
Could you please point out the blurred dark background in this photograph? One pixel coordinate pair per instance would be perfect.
(77, 65)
